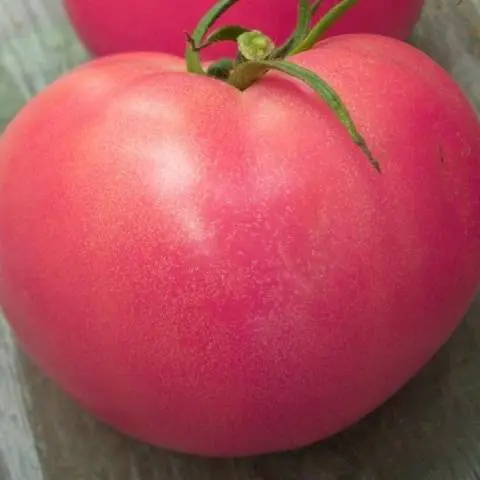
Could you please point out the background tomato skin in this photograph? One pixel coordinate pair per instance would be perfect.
(225, 273)
(115, 26)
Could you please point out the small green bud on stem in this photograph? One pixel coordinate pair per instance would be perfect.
(255, 45)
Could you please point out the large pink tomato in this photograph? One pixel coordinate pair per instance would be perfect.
(226, 273)
(113, 26)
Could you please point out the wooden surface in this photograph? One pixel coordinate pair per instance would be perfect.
(429, 431)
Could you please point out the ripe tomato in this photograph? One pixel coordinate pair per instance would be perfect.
(225, 273)
(113, 26)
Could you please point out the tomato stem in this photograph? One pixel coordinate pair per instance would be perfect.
(323, 25)
(304, 16)
(222, 34)
(257, 55)
(248, 70)
(195, 39)
(221, 69)
(315, 6)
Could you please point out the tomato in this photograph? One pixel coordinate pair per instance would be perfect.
(225, 273)
(114, 26)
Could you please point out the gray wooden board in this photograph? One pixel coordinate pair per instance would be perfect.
(428, 431)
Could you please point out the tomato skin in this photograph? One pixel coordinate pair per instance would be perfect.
(224, 273)
(116, 26)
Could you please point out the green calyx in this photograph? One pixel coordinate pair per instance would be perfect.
(257, 54)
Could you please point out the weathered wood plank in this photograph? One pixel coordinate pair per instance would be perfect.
(429, 431)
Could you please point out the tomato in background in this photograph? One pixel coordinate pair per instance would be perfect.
(115, 26)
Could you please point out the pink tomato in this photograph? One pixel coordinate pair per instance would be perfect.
(114, 26)
(224, 272)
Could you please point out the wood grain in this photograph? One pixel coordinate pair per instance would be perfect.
(429, 431)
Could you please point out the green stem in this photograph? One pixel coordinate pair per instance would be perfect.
(246, 74)
(220, 69)
(324, 24)
(191, 55)
(315, 6)
(222, 34)
(257, 55)
(250, 71)
(300, 32)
